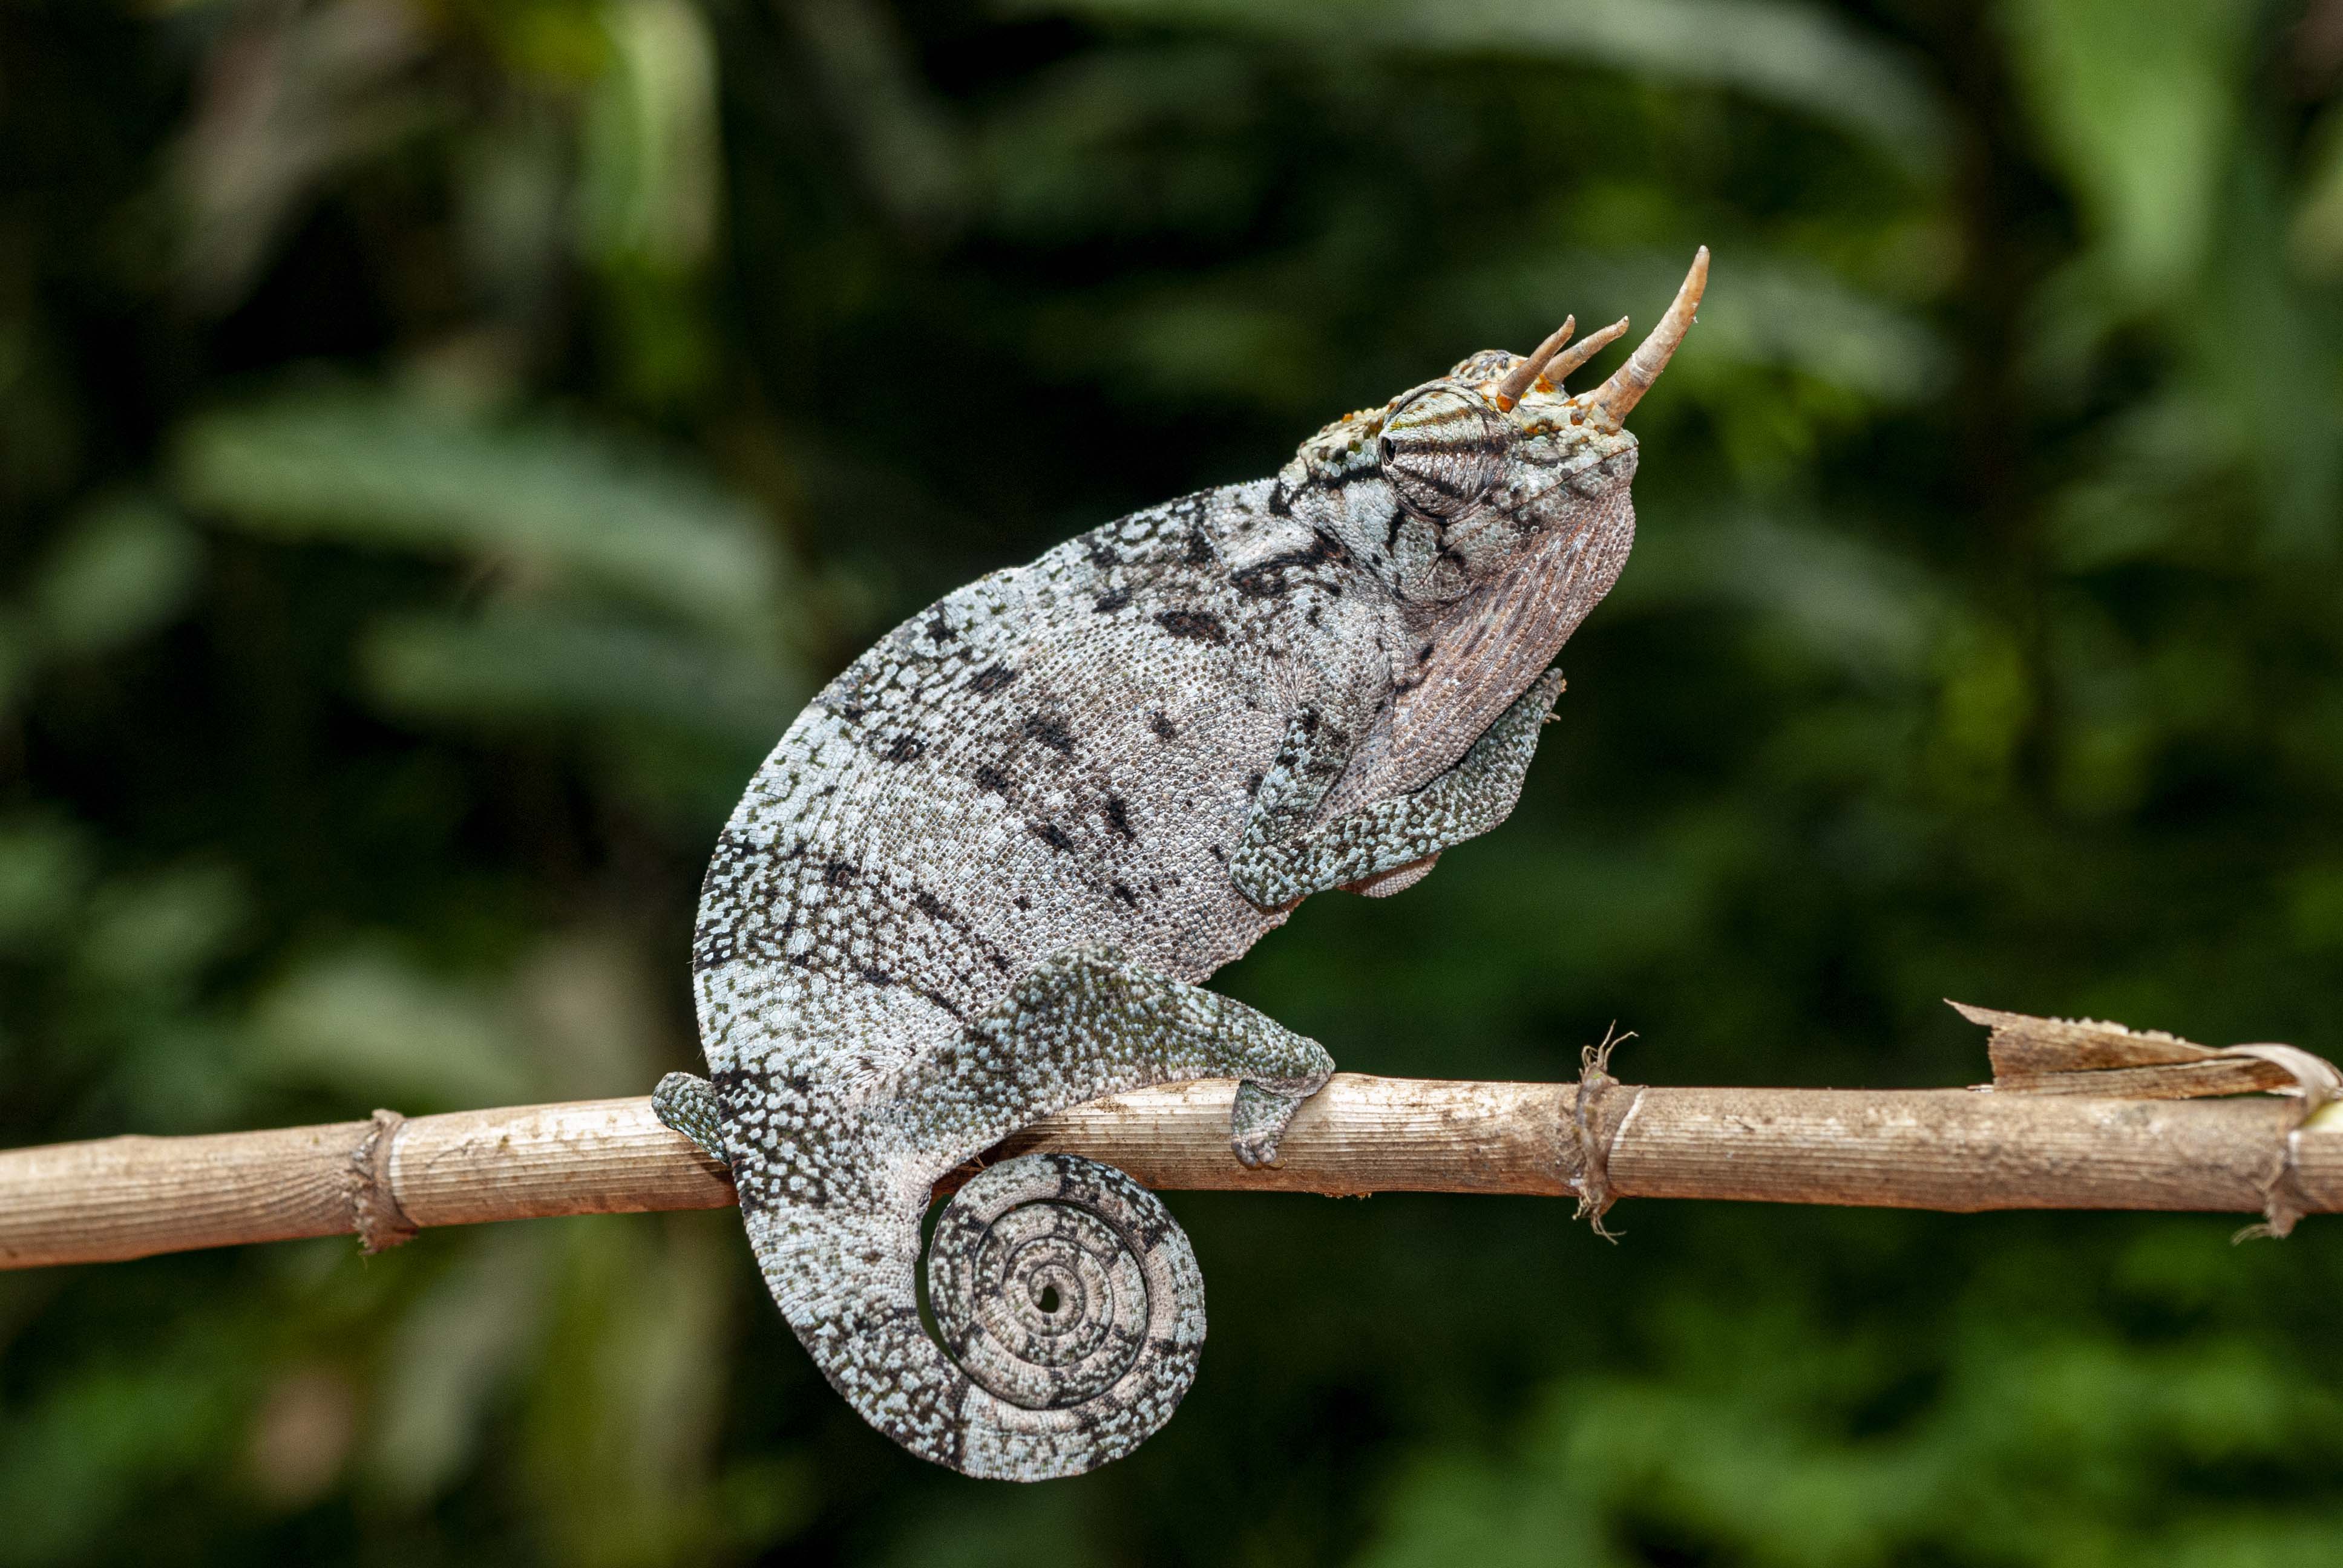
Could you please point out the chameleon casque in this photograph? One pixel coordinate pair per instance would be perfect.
(982, 874)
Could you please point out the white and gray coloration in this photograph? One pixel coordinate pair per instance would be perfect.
(982, 874)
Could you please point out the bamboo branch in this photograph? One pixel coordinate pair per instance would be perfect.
(1923, 1149)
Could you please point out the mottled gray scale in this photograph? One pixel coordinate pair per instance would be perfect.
(982, 874)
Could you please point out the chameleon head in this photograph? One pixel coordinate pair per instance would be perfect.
(1493, 506)
(1445, 487)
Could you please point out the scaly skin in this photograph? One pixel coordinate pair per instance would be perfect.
(982, 875)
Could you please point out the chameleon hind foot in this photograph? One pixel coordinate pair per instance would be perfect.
(686, 1104)
(1089, 1022)
(1257, 1122)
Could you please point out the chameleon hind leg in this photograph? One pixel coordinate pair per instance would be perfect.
(1274, 866)
(1069, 1305)
(1086, 1023)
(1090, 1022)
(1063, 1291)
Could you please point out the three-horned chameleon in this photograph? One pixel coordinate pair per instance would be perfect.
(982, 876)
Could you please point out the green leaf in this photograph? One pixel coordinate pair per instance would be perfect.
(543, 499)
(1795, 56)
(44, 869)
(122, 570)
(2135, 100)
(537, 664)
(162, 928)
(375, 1028)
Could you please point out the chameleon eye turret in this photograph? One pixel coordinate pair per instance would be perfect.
(985, 873)
(1441, 450)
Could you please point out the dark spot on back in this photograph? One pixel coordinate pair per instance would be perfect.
(876, 975)
(989, 778)
(1050, 730)
(990, 679)
(1114, 600)
(839, 874)
(1201, 626)
(1050, 833)
(1130, 900)
(1200, 549)
(906, 748)
(1162, 728)
(1117, 818)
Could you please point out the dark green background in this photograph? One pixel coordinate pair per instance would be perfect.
(441, 444)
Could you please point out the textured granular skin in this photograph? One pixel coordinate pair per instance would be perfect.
(983, 875)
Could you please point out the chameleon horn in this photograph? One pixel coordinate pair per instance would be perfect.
(1523, 376)
(1593, 343)
(1610, 402)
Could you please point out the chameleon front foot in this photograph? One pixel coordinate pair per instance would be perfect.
(688, 1105)
(1392, 837)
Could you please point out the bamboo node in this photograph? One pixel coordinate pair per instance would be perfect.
(1595, 1139)
(2318, 1085)
(374, 1214)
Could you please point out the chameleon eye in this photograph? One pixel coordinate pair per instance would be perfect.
(1441, 450)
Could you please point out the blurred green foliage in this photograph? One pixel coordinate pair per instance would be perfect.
(441, 444)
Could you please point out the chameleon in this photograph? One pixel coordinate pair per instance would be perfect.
(983, 875)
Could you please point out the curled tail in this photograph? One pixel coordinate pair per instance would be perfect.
(1068, 1301)
(1070, 1307)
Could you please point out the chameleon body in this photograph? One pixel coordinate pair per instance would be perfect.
(983, 875)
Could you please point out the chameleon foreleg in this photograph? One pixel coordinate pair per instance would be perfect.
(1470, 798)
